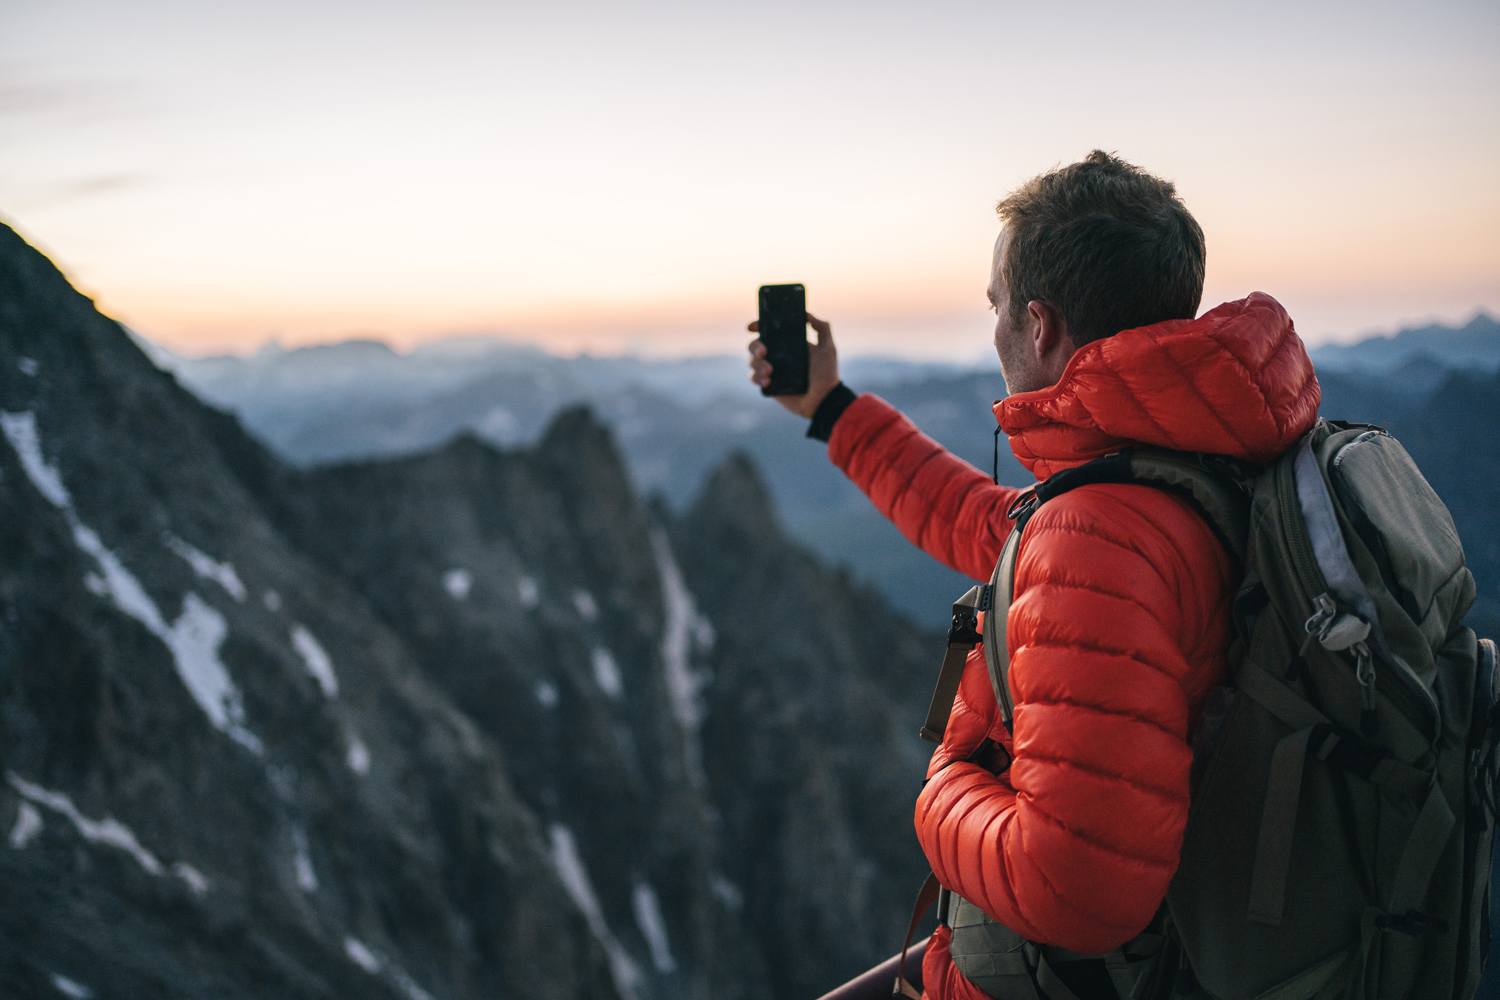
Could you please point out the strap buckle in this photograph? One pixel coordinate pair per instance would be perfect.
(965, 628)
(1413, 922)
(1023, 504)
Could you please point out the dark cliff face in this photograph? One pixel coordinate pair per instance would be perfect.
(471, 723)
(534, 589)
(810, 738)
(222, 774)
(726, 728)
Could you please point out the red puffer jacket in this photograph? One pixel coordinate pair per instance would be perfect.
(1119, 626)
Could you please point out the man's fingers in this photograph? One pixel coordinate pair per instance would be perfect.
(760, 368)
(822, 328)
(754, 326)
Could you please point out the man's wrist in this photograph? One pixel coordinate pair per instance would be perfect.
(829, 410)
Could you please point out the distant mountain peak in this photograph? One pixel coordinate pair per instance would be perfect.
(1475, 344)
(736, 493)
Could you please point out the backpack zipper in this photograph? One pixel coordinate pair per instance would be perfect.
(1300, 546)
(1421, 714)
(1364, 672)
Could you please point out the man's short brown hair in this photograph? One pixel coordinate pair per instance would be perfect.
(1109, 245)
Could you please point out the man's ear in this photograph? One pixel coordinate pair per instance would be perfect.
(1049, 333)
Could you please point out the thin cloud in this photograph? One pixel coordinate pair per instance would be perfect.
(27, 93)
(80, 189)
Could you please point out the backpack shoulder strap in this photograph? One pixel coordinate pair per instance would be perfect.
(996, 652)
(1212, 485)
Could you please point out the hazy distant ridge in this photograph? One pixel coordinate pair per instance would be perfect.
(1475, 344)
(676, 419)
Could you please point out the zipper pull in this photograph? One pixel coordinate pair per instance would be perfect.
(1343, 632)
(1323, 611)
(1364, 670)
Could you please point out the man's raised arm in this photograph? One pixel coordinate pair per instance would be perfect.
(944, 505)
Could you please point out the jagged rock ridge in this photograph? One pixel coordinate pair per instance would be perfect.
(465, 724)
(223, 775)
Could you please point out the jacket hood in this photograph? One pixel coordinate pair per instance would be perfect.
(1236, 381)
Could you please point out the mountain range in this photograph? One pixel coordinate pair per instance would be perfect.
(675, 420)
(474, 722)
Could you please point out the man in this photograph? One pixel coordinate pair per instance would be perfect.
(1120, 620)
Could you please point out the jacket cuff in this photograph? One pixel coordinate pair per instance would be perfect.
(833, 406)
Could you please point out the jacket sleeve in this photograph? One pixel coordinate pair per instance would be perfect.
(941, 503)
(1117, 620)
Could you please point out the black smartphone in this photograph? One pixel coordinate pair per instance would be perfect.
(783, 329)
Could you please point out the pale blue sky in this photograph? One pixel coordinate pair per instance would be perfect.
(617, 176)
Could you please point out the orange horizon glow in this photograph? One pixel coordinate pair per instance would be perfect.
(586, 178)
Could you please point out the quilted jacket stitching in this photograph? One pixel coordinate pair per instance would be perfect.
(1094, 842)
(1082, 706)
(1169, 628)
(1104, 775)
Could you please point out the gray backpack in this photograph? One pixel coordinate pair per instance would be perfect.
(1344, 779)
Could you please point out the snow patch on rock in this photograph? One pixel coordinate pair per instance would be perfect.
(20, 428)
(683, 626)
(546, 693)
(307, 879)
(69, 988)
(361, 955)
(28, 825)
(316, 660)
(207, 567)
(458, 582)
(28, 366)
(408, 985)
(358, 756)
(726, 892)
(192, 877)
(575, 879)
(271, 600)
(108, 831)
(528, 592)
(653, 927)
(586, 605)
(607, 672)
(194, 639)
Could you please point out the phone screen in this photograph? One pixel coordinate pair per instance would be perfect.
(783, 329)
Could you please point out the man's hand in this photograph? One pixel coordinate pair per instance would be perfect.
(822, 375)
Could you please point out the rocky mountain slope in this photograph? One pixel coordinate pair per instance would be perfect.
(470, 723)
(223, 775)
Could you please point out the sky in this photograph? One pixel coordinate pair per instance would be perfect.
(620, 177)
